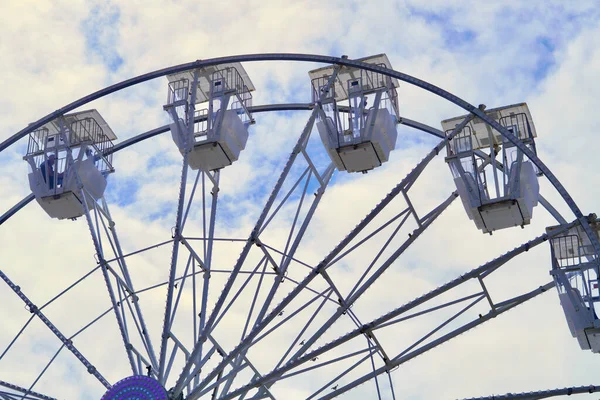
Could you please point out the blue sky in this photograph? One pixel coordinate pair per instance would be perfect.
(101, 33)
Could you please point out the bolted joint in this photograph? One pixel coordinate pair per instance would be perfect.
(254, 238)
(320, 268)
(172, 395)
(365, 328)
(102, 262)
(297, 149)
(592, 389)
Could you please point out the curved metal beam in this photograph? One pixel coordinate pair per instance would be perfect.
(14, 209)
(25, 391)
(254, 109)
(258, 109)
(543, 394)
(157, 131)
(343, 61)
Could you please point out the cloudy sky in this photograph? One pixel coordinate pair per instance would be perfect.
(545, 53)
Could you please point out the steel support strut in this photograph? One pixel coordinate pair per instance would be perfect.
(127, 278)
(358, 292)
(543, 394)
(66, 342)
(178, 223)
(404, 358)
(388, 318)
(99, 251)
(25, 392)
(290, 249)
(181, 382)
(406, 182)
(207, 262)
(396, 361)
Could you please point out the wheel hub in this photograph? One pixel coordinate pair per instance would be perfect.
(137, 387)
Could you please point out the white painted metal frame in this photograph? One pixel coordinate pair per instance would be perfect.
(220, 380)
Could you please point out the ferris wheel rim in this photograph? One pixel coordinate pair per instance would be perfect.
(258, 109)
(341, 61)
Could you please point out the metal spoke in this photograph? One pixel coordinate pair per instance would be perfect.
(358, 292)
(251, 240)
(208, 251)
(344, 373)
(402, 359)
(290, 247)
(392, 363)
(25, 391)
(323, 265)
(45, 305)
(482, 271)
(66, 342)
(136, 312)
(542, 394)
(189, 127)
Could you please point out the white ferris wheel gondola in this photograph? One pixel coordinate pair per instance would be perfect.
(217, 132)
(363, 137)
(496, 193)
(69, 159)
(575, 270)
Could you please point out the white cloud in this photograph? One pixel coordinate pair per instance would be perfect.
(46, 65)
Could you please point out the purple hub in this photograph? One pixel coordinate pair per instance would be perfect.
(137, 387)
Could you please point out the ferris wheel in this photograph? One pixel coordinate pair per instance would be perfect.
(294, 307)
